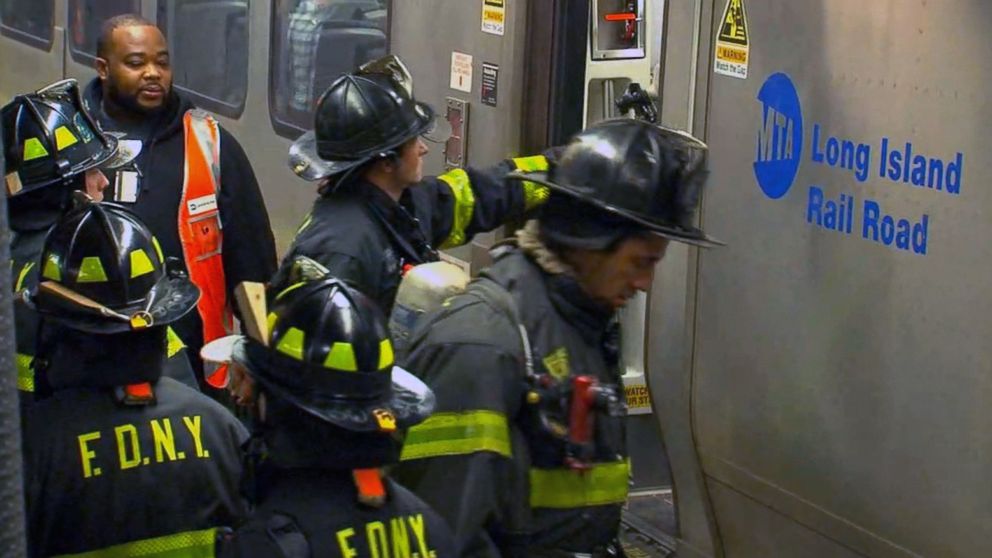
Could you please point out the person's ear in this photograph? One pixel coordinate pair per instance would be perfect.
(102, 68)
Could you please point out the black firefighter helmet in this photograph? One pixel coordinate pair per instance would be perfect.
(49, 138)
(102, 271)
(327, 351)
(362, 116)
(634, 173)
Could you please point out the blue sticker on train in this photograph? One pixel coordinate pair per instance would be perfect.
(780, 137)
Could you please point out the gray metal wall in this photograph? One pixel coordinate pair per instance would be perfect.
(836, 380)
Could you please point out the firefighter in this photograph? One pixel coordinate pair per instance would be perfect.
(192, 184)
(377, 215)
(120, 460)
(329, 405)
(526, 456)
(53, 148)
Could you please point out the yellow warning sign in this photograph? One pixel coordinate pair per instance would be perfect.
(494, 16)
(732, 41)
(636, 393)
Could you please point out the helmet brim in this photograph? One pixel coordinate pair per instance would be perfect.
(173, 298)
(691, 235)
(305, 161)
(409, 400)
(127, 151)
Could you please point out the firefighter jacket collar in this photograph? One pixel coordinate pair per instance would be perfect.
(37, 210)
(107, 361)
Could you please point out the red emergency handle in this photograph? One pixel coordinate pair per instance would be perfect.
(623, 16)
(579, 416)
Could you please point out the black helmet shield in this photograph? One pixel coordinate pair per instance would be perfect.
(362, 116)
(648, 176)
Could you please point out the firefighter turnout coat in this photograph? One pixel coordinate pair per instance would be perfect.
(483, 460)
(366, 238)
(131, 480)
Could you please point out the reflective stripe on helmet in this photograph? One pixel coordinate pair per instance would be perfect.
(190, 544)
(175, 343)
(91, 271)
(534, 194)
(458, 434)
(604, 483)
(141, 264)
(341, 357)
(461, 188)
(25, 374)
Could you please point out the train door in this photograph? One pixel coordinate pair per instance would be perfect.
(32, 39)
(512, 77)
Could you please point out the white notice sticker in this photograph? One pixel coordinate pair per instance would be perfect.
(126, 187)
(202, 205)
(461, 71)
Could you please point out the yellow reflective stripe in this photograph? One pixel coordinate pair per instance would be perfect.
(458, 434)
(175, 344)
(64, 138)
(91, 270)
(534, 194)
(341, 357)
(604, 483)
(291, 343)
(33, 149)
(306, 223)
(141, 264)
(385, 354)
(22, 275)
(461, 188)
(191, 544)
(290, 289)
(25, 374)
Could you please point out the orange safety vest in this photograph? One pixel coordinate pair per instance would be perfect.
(200, 229)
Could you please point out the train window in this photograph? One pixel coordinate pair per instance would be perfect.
(85, 19)
(28, 21)
(314, 41)
(208, 43)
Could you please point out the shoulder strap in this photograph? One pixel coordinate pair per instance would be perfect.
(496, 294)
(206, 130)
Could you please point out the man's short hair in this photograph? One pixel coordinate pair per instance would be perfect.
(114, 23)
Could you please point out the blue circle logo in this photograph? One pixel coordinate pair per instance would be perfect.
(780, 137)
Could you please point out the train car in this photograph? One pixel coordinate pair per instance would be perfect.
(817, 388)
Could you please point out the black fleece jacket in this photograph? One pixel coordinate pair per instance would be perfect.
(249, 247)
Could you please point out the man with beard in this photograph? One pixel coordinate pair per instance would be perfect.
(193, 184)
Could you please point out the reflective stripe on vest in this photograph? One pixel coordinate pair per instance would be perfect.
(25, 374)
(604, 483)
(461, 189)
(200, 228)
(458, 434)
(191, 544)
(534, 194)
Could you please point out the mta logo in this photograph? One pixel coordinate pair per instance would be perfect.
(780, 137)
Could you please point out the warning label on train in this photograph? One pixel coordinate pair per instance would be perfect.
(494, 16)
(732, 40)
(637, 396)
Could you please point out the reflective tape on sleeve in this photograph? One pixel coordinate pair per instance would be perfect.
(458, 434)
(534, 194)
(25, 374)
(461, 188)
(604, 483)
(175, 343)
(190, 544)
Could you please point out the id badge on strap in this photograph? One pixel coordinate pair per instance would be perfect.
(126, 186)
